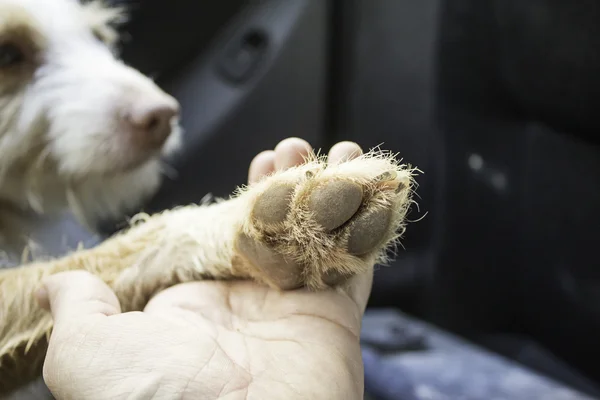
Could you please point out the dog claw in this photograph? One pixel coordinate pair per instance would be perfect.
(401, 187)
(386, 176)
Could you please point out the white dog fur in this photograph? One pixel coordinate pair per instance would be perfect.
(64, 136)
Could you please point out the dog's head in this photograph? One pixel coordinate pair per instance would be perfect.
(77, 126)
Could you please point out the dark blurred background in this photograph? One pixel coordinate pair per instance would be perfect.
(496, 101)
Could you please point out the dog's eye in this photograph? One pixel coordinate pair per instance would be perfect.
(10, 55)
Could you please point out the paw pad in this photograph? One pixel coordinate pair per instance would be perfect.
(273, 205)
(317, 227)
(368, 231)
(285, 274)
(334, 203)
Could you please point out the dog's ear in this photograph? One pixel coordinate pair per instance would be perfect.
(104, 20)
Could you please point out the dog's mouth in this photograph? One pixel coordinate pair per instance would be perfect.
(131, 163)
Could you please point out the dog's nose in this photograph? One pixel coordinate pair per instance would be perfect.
(151, 121)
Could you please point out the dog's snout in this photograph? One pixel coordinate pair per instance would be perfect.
(151, 121)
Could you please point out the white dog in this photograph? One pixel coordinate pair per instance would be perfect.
(79, 129)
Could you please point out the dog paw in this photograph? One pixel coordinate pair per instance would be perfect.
(317, 225)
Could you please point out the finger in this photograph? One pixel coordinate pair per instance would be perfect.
(344, 151)
(263, 164)
(358, 288)
(291, 152)
(76, 294)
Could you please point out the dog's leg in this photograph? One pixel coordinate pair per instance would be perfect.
(315, 225)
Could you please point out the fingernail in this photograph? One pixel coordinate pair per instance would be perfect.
(41, 296)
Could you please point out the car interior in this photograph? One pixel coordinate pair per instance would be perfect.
(495, 101)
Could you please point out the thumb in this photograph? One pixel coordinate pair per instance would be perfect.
(75, 294)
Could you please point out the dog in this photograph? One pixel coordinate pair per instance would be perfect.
(79, 129)
(82, 131)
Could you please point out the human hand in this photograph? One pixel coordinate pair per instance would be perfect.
(208, 340)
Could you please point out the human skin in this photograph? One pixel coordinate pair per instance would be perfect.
(208, 339)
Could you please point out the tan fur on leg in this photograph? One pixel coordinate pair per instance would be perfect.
(315, 225)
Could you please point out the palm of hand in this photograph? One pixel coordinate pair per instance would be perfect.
(264, 342)
(250, 343)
